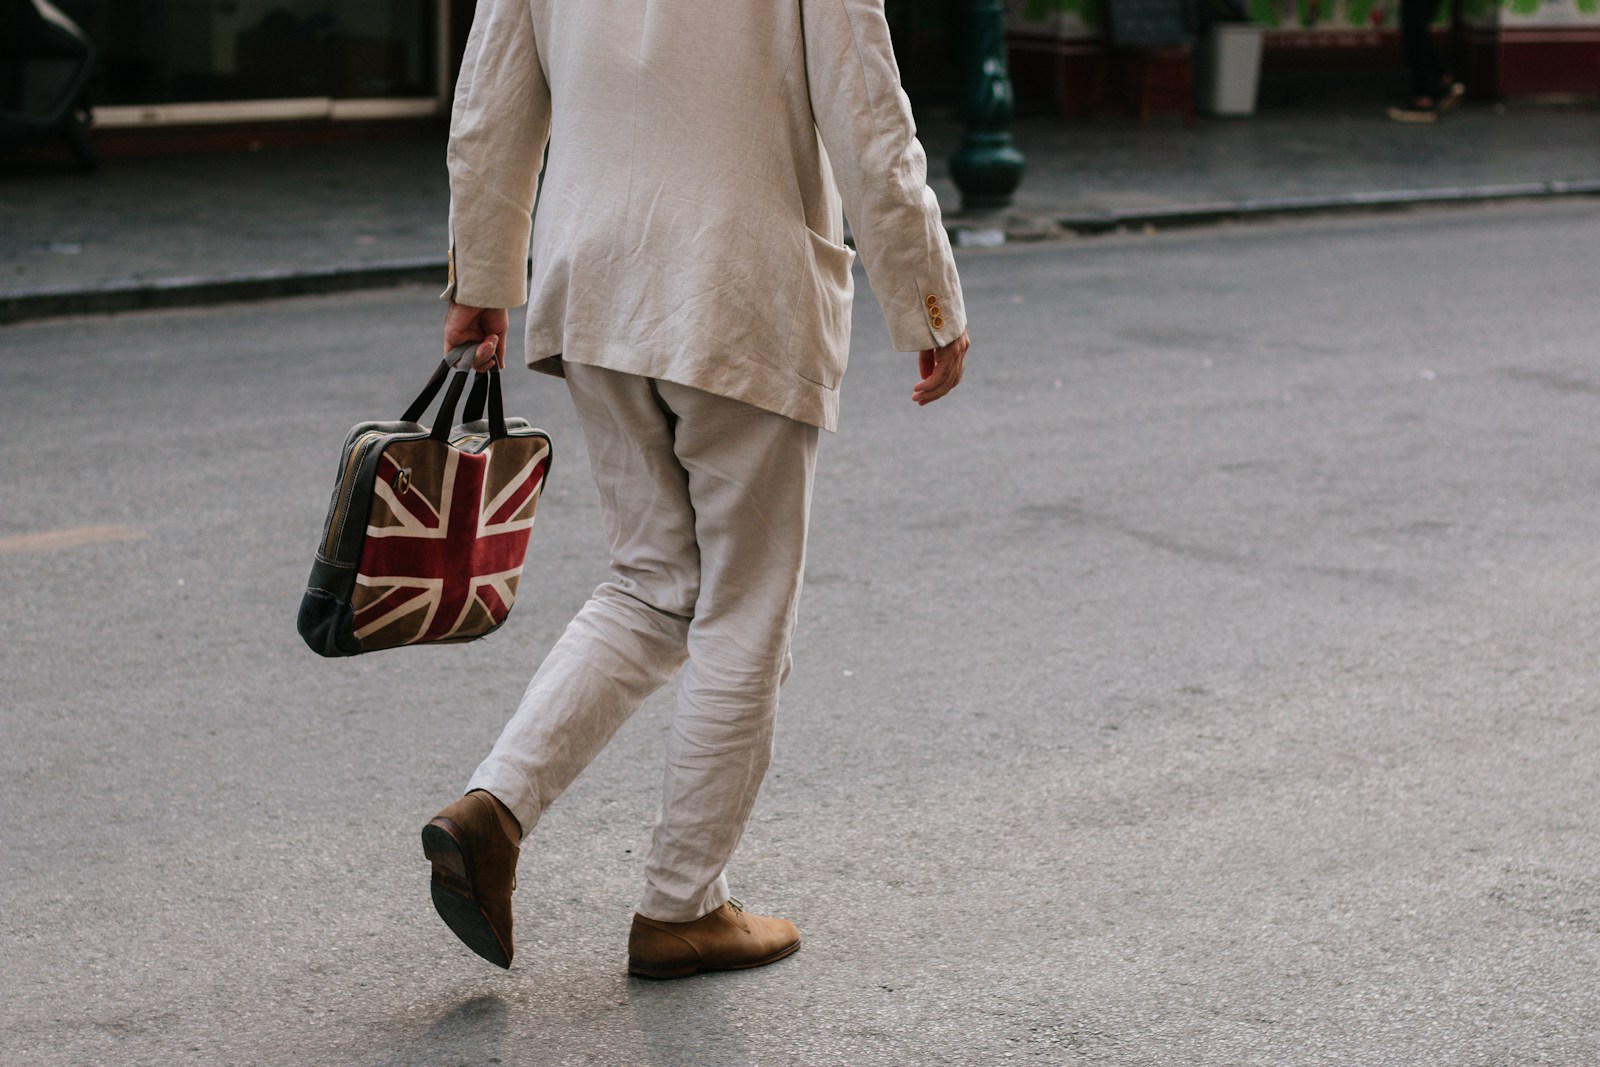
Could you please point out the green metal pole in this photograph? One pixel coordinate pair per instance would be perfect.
(987, 167)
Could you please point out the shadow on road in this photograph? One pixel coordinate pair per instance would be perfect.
(476, 1023)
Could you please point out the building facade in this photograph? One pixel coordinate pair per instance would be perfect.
(316, 64)
(167, 64)
(1501, 48)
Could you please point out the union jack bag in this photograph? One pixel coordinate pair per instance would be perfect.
(427, 528)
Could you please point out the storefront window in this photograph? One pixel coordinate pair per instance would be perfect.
(194, 51)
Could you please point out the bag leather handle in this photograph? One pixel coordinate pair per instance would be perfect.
(485, 387)
(486, 391)
(429, 391)
(476, 398)
(446, 415)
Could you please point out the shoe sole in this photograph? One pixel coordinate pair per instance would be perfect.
(453, 897)
(640, 969)
(1414, 118)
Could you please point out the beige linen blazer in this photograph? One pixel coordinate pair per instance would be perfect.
(688, 224)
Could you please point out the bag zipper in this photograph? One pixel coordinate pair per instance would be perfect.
(346, 490)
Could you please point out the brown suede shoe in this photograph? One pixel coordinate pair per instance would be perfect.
(473, 846)
(728, 939)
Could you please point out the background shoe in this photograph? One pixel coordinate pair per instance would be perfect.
(1450, 95)
(728, 939)
(473, 848)
(1411, 111)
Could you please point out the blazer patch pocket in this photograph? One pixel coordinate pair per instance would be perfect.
(835, 289)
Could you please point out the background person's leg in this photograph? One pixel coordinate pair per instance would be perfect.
(1421, 52)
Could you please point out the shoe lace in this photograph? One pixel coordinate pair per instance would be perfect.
(737, 906)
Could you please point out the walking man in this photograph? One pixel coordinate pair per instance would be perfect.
(691, 283)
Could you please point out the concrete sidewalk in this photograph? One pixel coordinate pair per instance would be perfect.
(199, 229)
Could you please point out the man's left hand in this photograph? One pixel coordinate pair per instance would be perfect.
(940, 370)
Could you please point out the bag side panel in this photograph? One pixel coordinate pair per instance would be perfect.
(325, 622)
(326, 616)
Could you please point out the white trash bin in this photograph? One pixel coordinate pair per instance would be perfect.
(1229, 62)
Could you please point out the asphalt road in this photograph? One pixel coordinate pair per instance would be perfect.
(1214, 679)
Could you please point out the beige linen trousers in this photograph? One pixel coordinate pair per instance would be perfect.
(689, 161)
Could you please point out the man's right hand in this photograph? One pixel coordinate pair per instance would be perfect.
(487, 326)
(940, 369)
